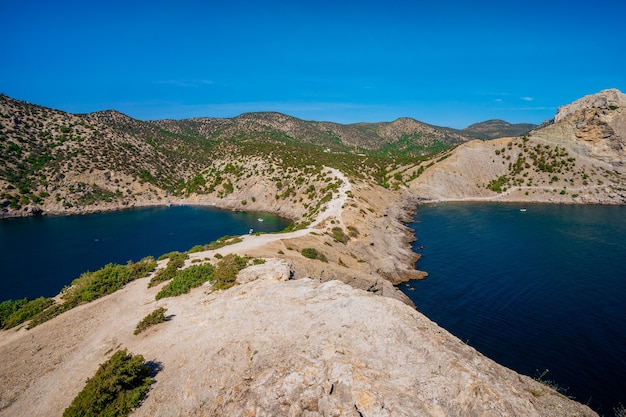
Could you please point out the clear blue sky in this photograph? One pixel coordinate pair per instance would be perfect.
(444, 62)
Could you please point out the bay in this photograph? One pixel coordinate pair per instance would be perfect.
(41, 255)
(538, 288)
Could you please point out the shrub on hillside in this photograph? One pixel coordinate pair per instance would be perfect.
(156, 317)
(92, 285)
(339, 235)
(176, 261)
(13, 313)
(118, 387)
(227, 270)
(313, 253)
(186, 279)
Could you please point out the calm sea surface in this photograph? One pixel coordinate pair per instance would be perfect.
(40, 255)
(535, 290)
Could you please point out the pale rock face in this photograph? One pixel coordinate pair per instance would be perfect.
(272, 270)
(604, 98)
(272, 348)
(594, 127)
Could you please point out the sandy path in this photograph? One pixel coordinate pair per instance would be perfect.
(250, 242)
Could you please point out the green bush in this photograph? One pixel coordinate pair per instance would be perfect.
(156, 317)
(312, 253)
(197, 248)
(8, 307)
(118, 387)
(340, 236)
(21, 310)
(167, 255)
(223, 241)
(186, 279)
(92, 285)
(176, 261)
(227, 270)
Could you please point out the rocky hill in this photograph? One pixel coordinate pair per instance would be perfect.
(579, 157)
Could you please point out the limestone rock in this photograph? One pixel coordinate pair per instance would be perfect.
(605, 98)
(271, 270)
(268, 348)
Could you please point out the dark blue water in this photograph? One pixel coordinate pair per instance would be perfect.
(534, 290)
(40, 255)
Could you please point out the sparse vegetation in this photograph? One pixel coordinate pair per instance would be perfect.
(13, 313)
(339, 235)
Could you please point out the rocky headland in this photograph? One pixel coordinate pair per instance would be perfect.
(299, 336)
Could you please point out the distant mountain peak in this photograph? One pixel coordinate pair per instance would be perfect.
(497, 128)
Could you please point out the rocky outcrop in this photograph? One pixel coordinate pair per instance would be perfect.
(604, 99)
(581, 158)
(271, 348)
(594, 127)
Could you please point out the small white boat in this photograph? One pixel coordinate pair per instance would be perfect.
(522, 209)
(260, 219)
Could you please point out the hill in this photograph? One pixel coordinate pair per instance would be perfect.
(56, 162)
(493, 129)
(579, 157)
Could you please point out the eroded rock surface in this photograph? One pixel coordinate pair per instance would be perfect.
(273, 348)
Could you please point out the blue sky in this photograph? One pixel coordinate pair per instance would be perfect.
(444, 62)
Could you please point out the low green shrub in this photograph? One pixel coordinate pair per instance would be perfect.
(313, 253)
(197, 248)
(118, 387)
(167, 255)
(8, 307)
(112, 277)
(339, 235)
(176, 261)
(227, 270)
(223, 241)
(156, 317)
(92, 285)
(186, 279)
(22, 310)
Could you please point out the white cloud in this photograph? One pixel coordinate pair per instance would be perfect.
(185, 83)
(527, 98)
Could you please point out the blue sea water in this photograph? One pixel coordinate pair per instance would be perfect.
(40, 255)
(535, 290)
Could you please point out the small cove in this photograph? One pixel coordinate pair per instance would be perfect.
(41, 255)
(535, 290)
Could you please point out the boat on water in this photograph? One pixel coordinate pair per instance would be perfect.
(522, 209)
(260, 219)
